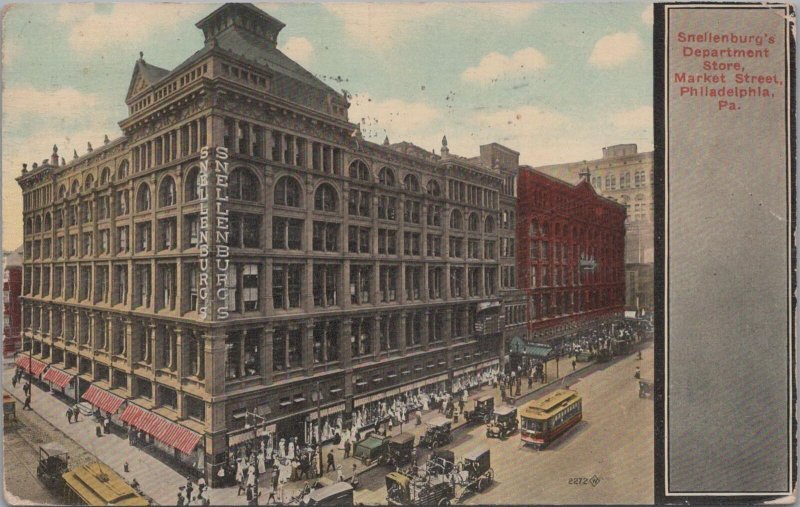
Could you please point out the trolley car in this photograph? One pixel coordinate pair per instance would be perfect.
(547, 418)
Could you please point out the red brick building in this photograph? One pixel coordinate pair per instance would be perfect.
(570, 255)
(12, 305)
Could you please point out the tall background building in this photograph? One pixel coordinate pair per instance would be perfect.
(12, 304)
(626, 176)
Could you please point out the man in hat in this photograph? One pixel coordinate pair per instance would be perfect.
(347, 448)
(331, 463)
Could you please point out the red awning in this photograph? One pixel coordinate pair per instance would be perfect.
(58, 377)
(23, 362)
(161, 429)
(31, 365)
(103, 399)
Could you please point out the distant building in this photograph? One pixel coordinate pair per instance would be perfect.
(12, 304)
(570, 256)
(626, 176)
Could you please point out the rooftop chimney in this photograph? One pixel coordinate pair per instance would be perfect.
(445, 151)
(54, 156)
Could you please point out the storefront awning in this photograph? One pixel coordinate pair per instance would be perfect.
(335, 409)
(103, 399)
(535, 350)
(58, 377)
(31, 365)
(167, 432)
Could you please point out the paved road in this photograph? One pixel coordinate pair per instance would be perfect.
(614, 442)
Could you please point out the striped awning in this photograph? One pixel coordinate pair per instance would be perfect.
(103, 399)
(163, 430)
(31, 365)
(58, 377)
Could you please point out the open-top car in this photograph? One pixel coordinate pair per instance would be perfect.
(504, 422)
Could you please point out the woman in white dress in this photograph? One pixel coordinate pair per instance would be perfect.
(262, 466)
(282, 448)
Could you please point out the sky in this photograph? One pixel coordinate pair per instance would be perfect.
(553, 81)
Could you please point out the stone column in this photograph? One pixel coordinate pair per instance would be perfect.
(375, 326)
(214, 351)
(308, 346)
(266, 356)
(401, 331)
(426, 316)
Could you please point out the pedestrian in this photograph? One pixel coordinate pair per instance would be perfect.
(339, 475)
(331, 464)
(355, 474)
(98, 430)
(461, 405)
(69, 415)
(14, 380)
(107, 425)
(573, 364)
(181, 501)
(27, 388)
(189, 488)
(347, 448)
(131, 436)
(390, 425)
(27, 405)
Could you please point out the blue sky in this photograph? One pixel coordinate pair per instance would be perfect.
(556, 82)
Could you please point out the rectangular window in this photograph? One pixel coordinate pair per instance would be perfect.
(325, 285)
(435, 276)
(388, 283)
(411, 212)
(413, 282)
(387, 207)
(411, 243)
(250, 287)
(457, 247)
(143, 237)
(358, 239)
(434, 245)
(287, 233)
(167, 233)
(360, 278)
(326, 237)
(358, 203)
(286, 285)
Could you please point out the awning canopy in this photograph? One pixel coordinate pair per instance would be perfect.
(58, 377)
(103, 399)
(536, 350)
(167, 432)
(31, 365)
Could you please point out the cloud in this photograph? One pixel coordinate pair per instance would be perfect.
(380, 26)
(647, 15)
(94, 30)
(62, 103)
(634, 119)
(615, 50)
(496, 66)
(377, 26)
(298, 49)
(400, 120)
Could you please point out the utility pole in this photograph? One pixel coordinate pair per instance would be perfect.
(319, 423)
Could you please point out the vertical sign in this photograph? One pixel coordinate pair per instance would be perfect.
(214, 232)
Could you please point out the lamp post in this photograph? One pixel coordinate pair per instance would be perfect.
(318, 395)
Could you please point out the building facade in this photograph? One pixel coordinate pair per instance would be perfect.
(626, 176)
(12, 304)
(240, 260)
(570, 256)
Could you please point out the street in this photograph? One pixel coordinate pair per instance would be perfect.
(613, 442)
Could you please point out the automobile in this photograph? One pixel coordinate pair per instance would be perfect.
(603, 355)
(401, 449)
(372, 449)
(437, 434)
(504, 422)
(482, 411)
(441, 462)
(338, 493)
(476, 473)
(53, 463)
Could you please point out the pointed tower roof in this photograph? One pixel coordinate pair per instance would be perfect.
(144, 76)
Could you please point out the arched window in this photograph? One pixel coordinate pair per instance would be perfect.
(166, 192)
(37, 227)
(89, 182)
(62, 192)
(359, 170)
(243, 184)
(75, 187)
(122, 170)
(143, 198)
(386, 177)
(456, 221)
(433, 188)
(287, 192)
(105, 176)
(489, 224)
(473, 222)
(48, 222)
(325, 198)
(193, 190)
(411, 183)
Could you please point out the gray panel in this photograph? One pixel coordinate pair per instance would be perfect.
(728, 307)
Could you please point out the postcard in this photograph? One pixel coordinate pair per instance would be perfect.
(398, 253)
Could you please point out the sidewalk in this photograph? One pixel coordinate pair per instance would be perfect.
(161, 483)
